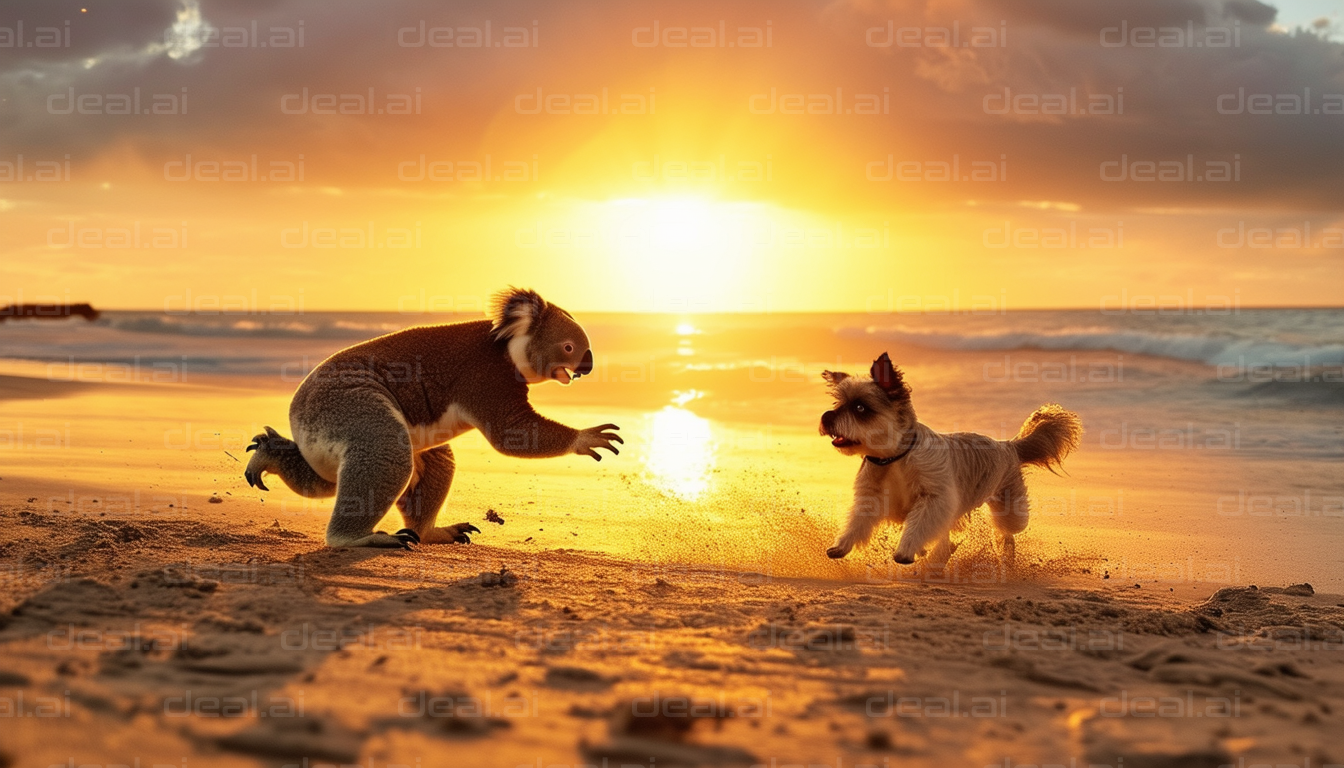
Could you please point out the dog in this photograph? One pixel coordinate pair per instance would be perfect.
(926, 480)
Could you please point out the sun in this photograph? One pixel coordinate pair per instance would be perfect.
(684, 254)
(696, 227)
(699, 252)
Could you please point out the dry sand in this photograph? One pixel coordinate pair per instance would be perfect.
(143, 624)
(205, 642)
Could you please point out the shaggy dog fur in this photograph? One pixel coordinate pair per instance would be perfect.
(927, 480)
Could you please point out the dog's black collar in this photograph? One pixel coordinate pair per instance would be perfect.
(914, 437)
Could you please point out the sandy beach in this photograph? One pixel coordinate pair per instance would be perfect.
(671, 606)
(219, 636)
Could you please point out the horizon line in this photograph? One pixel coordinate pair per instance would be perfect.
(1207, 309)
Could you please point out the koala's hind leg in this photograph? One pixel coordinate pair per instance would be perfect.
(1009, 509)
(423, 499)
(279, 455)
(375, 467)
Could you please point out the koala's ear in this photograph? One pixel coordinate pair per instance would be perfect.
(834, 377)
(889, 378)
(513, 311)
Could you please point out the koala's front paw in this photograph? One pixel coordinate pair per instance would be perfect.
(458, 534)
(589, 440)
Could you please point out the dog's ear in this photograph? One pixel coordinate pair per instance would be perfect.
(834, 377)
(889, 378)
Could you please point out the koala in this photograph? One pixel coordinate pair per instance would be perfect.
(372, 422)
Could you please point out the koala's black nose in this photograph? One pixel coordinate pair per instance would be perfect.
(827, 421)
(586, 365)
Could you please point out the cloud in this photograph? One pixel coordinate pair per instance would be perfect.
(1164, 92)
(188, 34)
(1084, 19)
(99, 29)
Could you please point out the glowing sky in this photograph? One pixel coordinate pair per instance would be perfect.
(671, 156)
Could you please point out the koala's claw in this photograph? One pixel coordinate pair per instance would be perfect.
(591, 439)
(400, 540)
(265, 444)
(459, 532)
(254, 479)
(263, 439)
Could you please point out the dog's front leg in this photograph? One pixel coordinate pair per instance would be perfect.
(857, 532)
(930, 519)
(869, 509)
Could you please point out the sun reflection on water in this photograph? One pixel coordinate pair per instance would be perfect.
(682, 453)
(685, 330)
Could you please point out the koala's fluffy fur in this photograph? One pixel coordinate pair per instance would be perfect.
(929, 480)
(372, 422)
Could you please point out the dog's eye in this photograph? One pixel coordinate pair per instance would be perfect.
(858, 408)
(568, 348)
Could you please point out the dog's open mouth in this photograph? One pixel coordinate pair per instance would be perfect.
(843, 442)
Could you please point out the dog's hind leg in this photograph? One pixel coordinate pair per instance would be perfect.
(942, 551)
(1009, 508)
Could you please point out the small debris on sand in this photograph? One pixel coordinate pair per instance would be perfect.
(665, 735)
(878, 740)
(577, 678)
(451, 712)
(504, 578)
(491, 516)
(304, 737)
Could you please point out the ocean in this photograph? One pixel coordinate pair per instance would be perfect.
(1263, 364)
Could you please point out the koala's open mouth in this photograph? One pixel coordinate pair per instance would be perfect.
(565, 374)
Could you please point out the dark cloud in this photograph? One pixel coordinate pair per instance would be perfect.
(1089, 17)
(106, 26)
(1171, 94)
(1250, 11)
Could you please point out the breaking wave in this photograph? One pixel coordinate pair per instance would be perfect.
(1212, 349)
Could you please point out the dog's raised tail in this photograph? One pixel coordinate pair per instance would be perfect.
(1048, 435)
